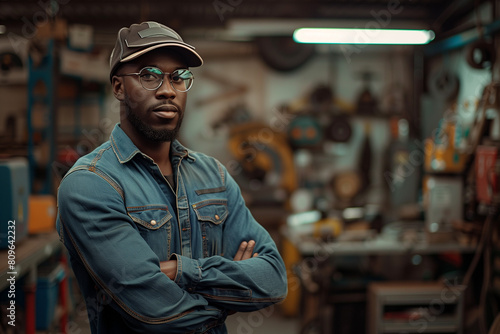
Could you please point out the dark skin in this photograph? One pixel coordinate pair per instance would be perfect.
(144, 105)
(135, 99)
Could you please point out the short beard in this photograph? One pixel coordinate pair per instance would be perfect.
(152, 135)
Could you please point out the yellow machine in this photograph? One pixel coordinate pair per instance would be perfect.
(262, 154)
(260, 150)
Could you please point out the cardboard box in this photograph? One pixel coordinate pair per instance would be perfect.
(57, 29)
(43, 210)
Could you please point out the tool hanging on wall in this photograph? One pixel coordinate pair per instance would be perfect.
(395, 100)
(305, 131)
(365, 158)
(367, 103)
(234, 115)
(231, 89)
(346, 185)
(443, 84)
(321, 99)
(339, 130)
(323, 105)
(481, 54)
(282, 53)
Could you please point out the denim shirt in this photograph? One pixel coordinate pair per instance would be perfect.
(119, 217)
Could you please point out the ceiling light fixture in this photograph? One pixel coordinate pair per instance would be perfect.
(362, 36)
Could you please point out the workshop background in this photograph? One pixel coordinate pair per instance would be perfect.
(375, 168)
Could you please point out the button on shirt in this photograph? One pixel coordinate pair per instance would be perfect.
(119, 217)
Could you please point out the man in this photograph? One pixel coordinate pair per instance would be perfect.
(159, 236)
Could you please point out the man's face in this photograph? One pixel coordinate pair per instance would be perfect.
(155, 115)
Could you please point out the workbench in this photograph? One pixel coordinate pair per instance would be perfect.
(319, 258)
(309, 246)
(29, 254)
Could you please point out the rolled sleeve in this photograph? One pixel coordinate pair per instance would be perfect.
(188, 272)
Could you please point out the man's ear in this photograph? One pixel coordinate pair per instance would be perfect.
(118, 89)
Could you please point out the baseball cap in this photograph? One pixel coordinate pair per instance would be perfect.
(139, 39)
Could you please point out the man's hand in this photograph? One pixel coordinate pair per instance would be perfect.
(245, 251)
(169, 268)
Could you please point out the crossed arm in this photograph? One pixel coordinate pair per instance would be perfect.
(245, 252)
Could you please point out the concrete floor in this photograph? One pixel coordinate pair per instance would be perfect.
(261, 322)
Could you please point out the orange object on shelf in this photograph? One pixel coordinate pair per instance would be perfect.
(291, 257)
(42, 213)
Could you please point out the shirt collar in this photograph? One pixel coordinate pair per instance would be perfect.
(125, 149)
(181, 151)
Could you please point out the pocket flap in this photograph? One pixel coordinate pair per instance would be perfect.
(214, 211)
(150, 216)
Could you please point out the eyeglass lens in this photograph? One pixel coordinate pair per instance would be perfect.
(152, 78)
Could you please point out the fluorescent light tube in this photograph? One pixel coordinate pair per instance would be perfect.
(362, 36)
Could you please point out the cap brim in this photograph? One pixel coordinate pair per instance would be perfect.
(193, 59)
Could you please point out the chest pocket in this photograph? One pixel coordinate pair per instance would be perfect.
(154, 224)
(211, 215)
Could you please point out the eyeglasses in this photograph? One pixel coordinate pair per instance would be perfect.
(151, 78)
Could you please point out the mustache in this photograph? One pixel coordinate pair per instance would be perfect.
(166, 103)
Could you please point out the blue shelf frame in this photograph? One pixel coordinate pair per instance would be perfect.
(43, 73)
(460, 40)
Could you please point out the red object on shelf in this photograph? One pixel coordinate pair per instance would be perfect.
(63, 293)
(30, 299)
(412, 314)
(486, 180)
